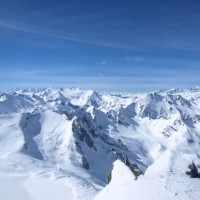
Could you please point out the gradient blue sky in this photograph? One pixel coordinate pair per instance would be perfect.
(109, 45)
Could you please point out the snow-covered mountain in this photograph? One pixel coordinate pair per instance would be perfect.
(62, 143)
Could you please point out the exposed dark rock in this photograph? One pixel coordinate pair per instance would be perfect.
(85, 163)
(134, 168)
(81, 133)
(109, 177)
(193, 173)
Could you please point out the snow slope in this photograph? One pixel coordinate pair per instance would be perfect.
(61, 144)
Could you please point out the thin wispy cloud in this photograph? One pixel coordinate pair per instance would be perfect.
(147, 46)
(61, 37)
(102, 62)
(100, 75)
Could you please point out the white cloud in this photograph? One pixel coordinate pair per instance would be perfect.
(102, 62)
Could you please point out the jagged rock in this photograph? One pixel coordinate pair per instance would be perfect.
(109, 177)
(85, 163)
(133, 167)
(193, 173)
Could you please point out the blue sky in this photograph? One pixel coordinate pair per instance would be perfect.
(106, 45)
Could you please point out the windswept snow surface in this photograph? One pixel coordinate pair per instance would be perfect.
(62, 143)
